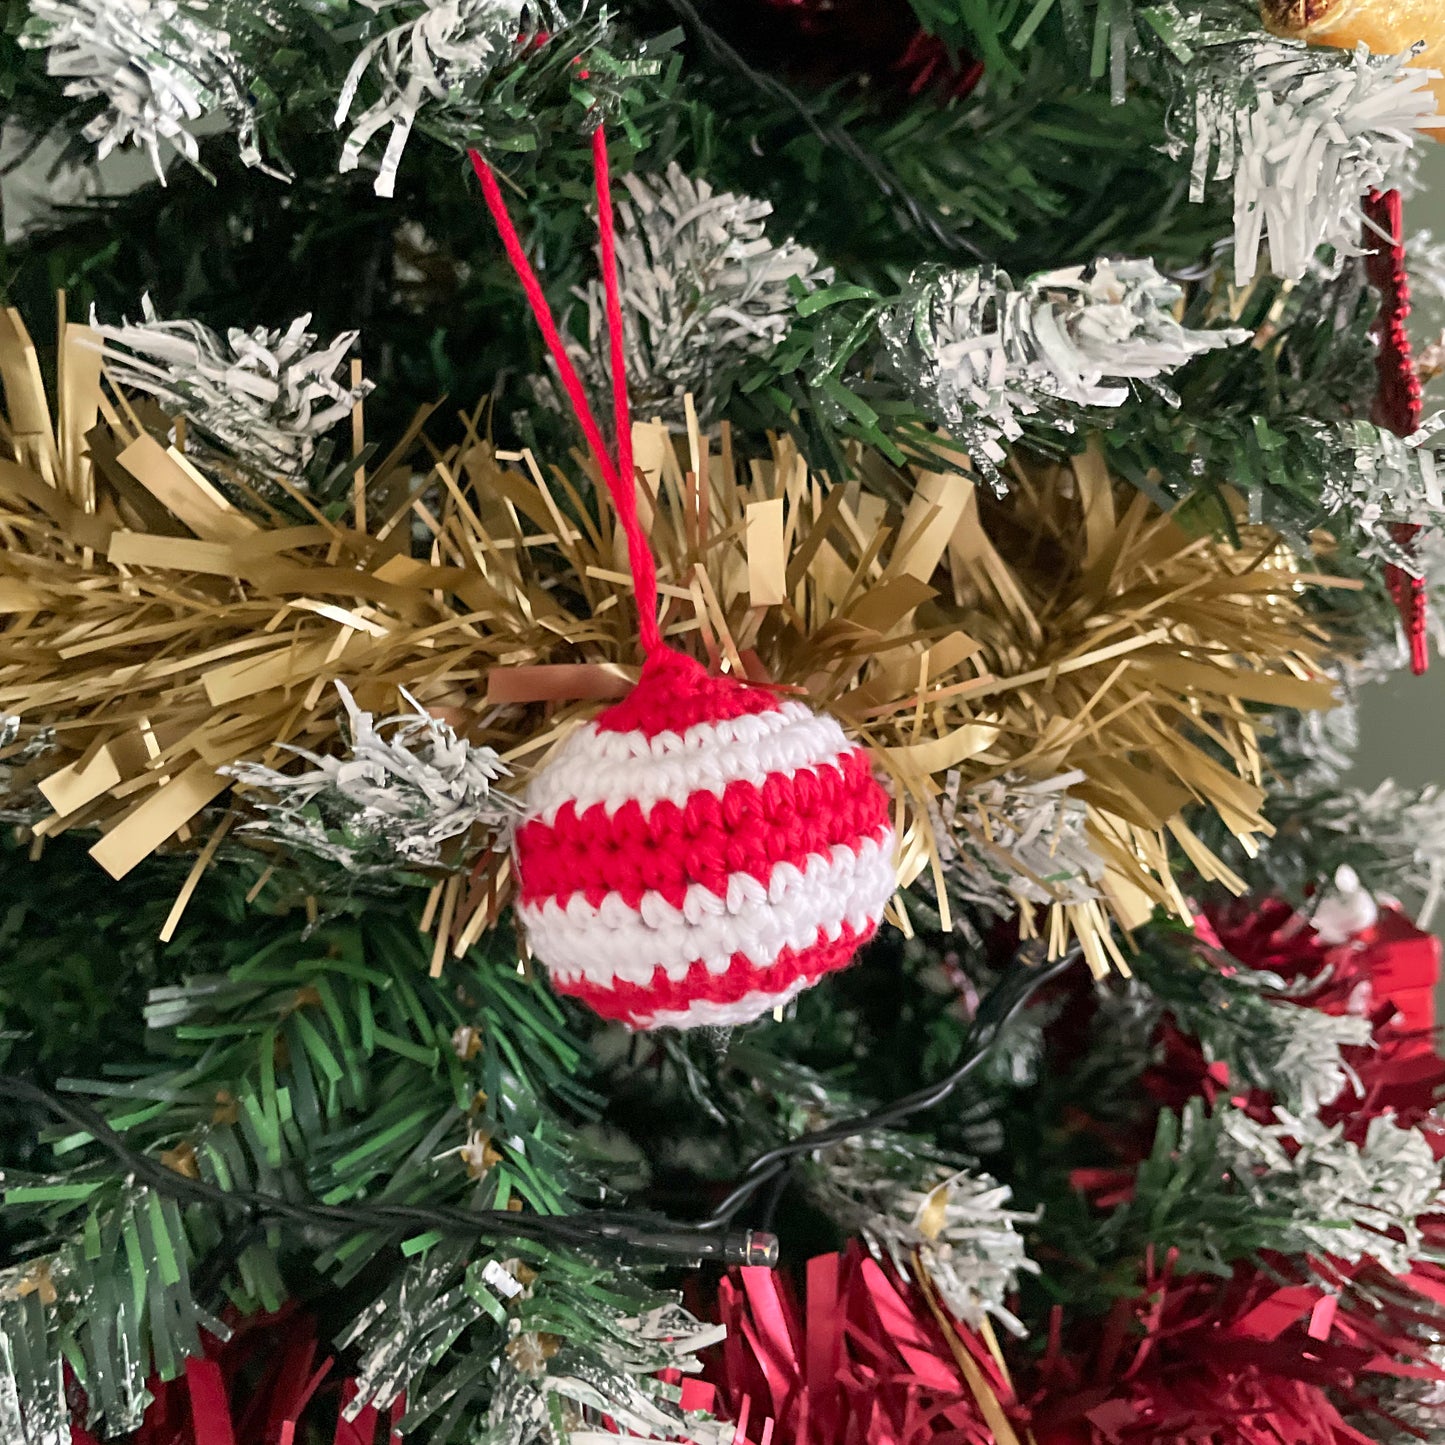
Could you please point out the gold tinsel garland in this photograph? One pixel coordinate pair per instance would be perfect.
(163, 630)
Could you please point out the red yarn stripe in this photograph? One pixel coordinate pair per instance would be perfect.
(637, 1003)
(624, 498)
(676, 692)
(749, 829)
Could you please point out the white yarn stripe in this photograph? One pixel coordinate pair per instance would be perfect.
(615, 943)
(615, 768)
(702, 1013)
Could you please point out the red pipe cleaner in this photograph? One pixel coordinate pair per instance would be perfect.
(618, 473)
(1397, 398)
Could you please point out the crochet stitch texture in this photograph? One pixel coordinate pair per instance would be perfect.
(701, 852)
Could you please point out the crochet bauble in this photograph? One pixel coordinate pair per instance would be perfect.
(701, 852)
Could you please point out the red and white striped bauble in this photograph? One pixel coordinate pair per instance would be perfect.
(701, 852)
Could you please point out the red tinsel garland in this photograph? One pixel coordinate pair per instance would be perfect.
(1203, 1361)
(860, 1359)
(866, 1359)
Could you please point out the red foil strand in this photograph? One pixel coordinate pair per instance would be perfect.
(859, 1359)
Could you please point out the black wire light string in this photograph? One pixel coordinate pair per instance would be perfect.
(1020, 983)
(712, 1239)
(596, 1229)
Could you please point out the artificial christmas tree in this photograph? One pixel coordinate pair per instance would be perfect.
(1012, 465)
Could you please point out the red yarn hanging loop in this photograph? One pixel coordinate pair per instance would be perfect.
(1397, 399)
(619, 473)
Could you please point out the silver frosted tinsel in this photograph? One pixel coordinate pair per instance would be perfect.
(1390, 655)
(1412, 1410)
(1321, 744)
(981, 353)
(1344, 1199)
(20, 800)
(263, 397)
(34, 1407)
(573, 1358)
(409, 787)
(904, 1198)
(1375, 479)
(1303, 134)
(426, 56)
(1406, 826)
(158, 66)
(1251, 1020)
(614, 1379)
(1010, 843)
(425, 271)
(703, 289)
(1299, 1056)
